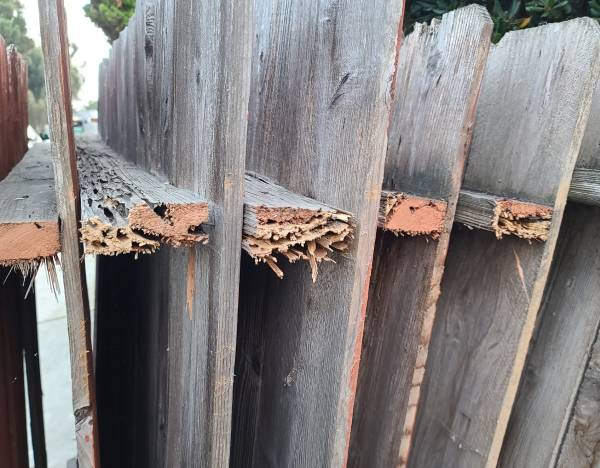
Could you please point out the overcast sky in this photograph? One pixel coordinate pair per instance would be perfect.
(92, 43)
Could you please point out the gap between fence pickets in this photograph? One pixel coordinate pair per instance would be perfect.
(409, 215)
(280, 222)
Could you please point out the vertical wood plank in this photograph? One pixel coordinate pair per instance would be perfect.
(560, 350)
(182, 70)
(55, 46)
(580, 446)
(16, 310)
(531, 115)
(318, 116)
(439, 74)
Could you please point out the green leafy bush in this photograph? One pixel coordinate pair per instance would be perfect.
(110, 15)
(507, 15)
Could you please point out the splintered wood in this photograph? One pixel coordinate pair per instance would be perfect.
(277, 221)
(504, 216)
(125, 209)
(409, 215)
(28, 218)
(524, 220)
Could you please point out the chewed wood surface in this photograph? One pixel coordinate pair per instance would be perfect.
(127, 209)
(282, 224)
(558, 356)
(482, 331)
(439, 75)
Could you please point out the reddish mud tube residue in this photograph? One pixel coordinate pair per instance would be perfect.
(28, 241)
(415, 216)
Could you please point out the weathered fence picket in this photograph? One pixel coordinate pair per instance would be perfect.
(319, 109)
(18, 328)
(55, 45)
(534, 103)
(253, 137)
(175, 102)
(439, 74)
(567, 328)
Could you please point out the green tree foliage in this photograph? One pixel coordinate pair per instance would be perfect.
(14, 31)
(507, 15)
(12, 25)
(110, 15)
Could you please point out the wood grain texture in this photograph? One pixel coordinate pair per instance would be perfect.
(15, 307)
(440, 69)
(567, 328)
(15, 130)
(561, 346)
(580, 446)
(580, 440)
(531, 115)
(318, 114)
(55, 47)
(177, 85)
(28, 213)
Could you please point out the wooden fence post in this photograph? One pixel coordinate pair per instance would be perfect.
(533, 108)
(318, 116)
(55, 46)
(439, 75)
(563, 342)
(175, 101)
(17, 309)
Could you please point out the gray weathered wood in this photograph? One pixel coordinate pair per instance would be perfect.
(580, 446)
(181, 111)
(503, 216)
(585, 186)
(532, 111)
(581, 441)
(561, 346)
(280, 223)
(55, 46)
(567, 328)
(439, 74)
(318, 114)
(28, 215)
(17, 312)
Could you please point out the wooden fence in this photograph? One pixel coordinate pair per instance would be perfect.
(323, 244)
(18, 335)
